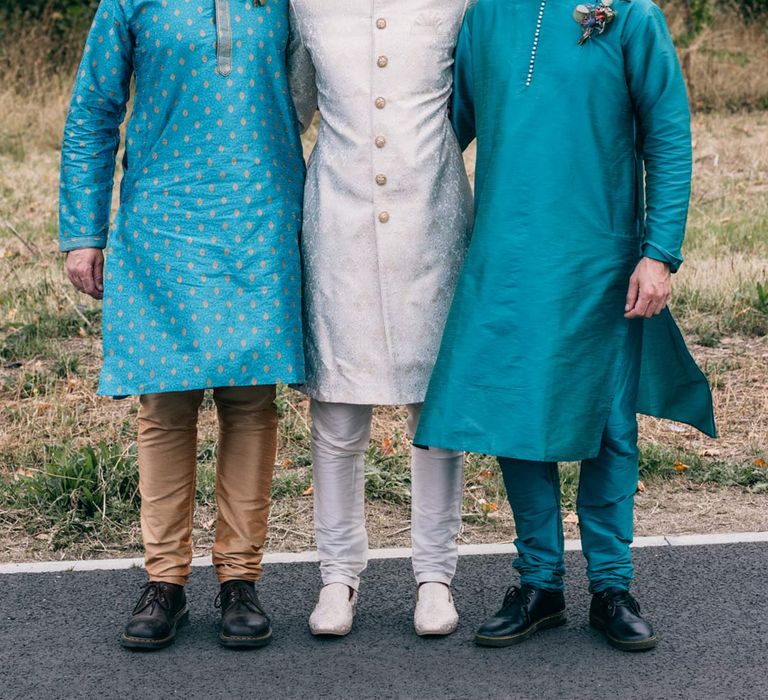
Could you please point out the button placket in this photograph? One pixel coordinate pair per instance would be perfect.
(380, 103)
(535, 47)
(223, 38)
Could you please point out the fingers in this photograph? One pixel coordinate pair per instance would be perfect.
(662, 304)
(641, 307)
(74, 279)
(98, 277)
(85, 269)
(632, 293)
(649, 303)
(87, 279)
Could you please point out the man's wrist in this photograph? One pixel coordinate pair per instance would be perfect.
(655, 252)
(656, 262)
(67, 245)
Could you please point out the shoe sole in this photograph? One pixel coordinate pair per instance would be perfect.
(444, 632)
(431, 633)
(143, 644)
(329, 633)
(245, 642)
(546, 623)
(641, 645)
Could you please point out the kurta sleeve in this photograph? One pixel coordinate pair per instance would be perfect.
(92, 130)
(301, 76)
(657, 86)
(463, 101)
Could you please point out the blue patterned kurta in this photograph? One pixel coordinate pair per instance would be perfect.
(202, 280)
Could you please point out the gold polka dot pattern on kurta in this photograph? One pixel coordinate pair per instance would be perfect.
(203, 280)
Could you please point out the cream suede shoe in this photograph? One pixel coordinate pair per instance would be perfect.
(335, 610)
(435, 612)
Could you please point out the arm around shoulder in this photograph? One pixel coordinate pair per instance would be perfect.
(301, 75)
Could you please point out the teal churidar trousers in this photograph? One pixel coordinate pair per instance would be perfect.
(605, 503)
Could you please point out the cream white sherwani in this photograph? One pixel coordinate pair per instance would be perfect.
(388, 206)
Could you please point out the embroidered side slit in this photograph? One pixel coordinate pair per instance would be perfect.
(535, 47)
(223, 38)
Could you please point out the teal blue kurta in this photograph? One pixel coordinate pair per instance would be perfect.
(535, 342)
(203, 278)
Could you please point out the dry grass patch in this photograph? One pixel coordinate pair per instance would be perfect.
(738, 372)
(725, 63)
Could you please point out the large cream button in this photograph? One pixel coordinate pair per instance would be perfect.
(380, 103)
(381, 180)
(382, 62)
(380, 142)
(384, 217)
(381, 23)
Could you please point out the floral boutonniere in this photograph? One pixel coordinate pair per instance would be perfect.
(594, 18)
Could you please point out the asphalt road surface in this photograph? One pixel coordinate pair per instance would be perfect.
(59, 637)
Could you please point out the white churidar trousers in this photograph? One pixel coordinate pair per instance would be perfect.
(340, 437)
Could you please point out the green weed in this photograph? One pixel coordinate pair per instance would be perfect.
(760, 301)
(25, 341)
(291, 483)
(387, 478)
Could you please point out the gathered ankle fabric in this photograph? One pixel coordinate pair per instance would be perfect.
(340, 437)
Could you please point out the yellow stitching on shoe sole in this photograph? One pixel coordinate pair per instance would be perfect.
(255, 639)
(532, 628)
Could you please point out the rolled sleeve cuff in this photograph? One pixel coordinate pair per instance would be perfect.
(80, 242)
(655, 252)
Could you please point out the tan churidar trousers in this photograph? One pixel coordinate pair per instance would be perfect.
(247, 451)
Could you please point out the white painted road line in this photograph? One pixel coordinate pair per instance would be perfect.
(466, 550)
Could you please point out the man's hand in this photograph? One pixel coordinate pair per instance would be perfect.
(85, 269)
(650, 288)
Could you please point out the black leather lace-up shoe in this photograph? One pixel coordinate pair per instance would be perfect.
(525, 611)
(244, 623)
(617, 615)
(161, 610)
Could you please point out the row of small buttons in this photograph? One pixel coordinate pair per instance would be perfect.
(535, 47)
(380, 141)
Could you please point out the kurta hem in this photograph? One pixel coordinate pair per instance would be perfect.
(379, 397)
(156, 389)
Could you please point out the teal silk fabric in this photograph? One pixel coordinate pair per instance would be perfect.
(535, 340)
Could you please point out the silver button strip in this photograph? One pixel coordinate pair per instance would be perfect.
(223, 38)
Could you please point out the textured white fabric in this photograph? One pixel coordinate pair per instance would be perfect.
(335, 610)
(435, 612)
(340, 436)
(388, 206)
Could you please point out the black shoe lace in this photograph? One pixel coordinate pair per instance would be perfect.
(621, 599)
(235, 592)
(512, 594)
(518, 594)
(154, 594)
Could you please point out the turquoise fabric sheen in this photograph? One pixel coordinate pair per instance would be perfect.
(532, 350)
(203, 276)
